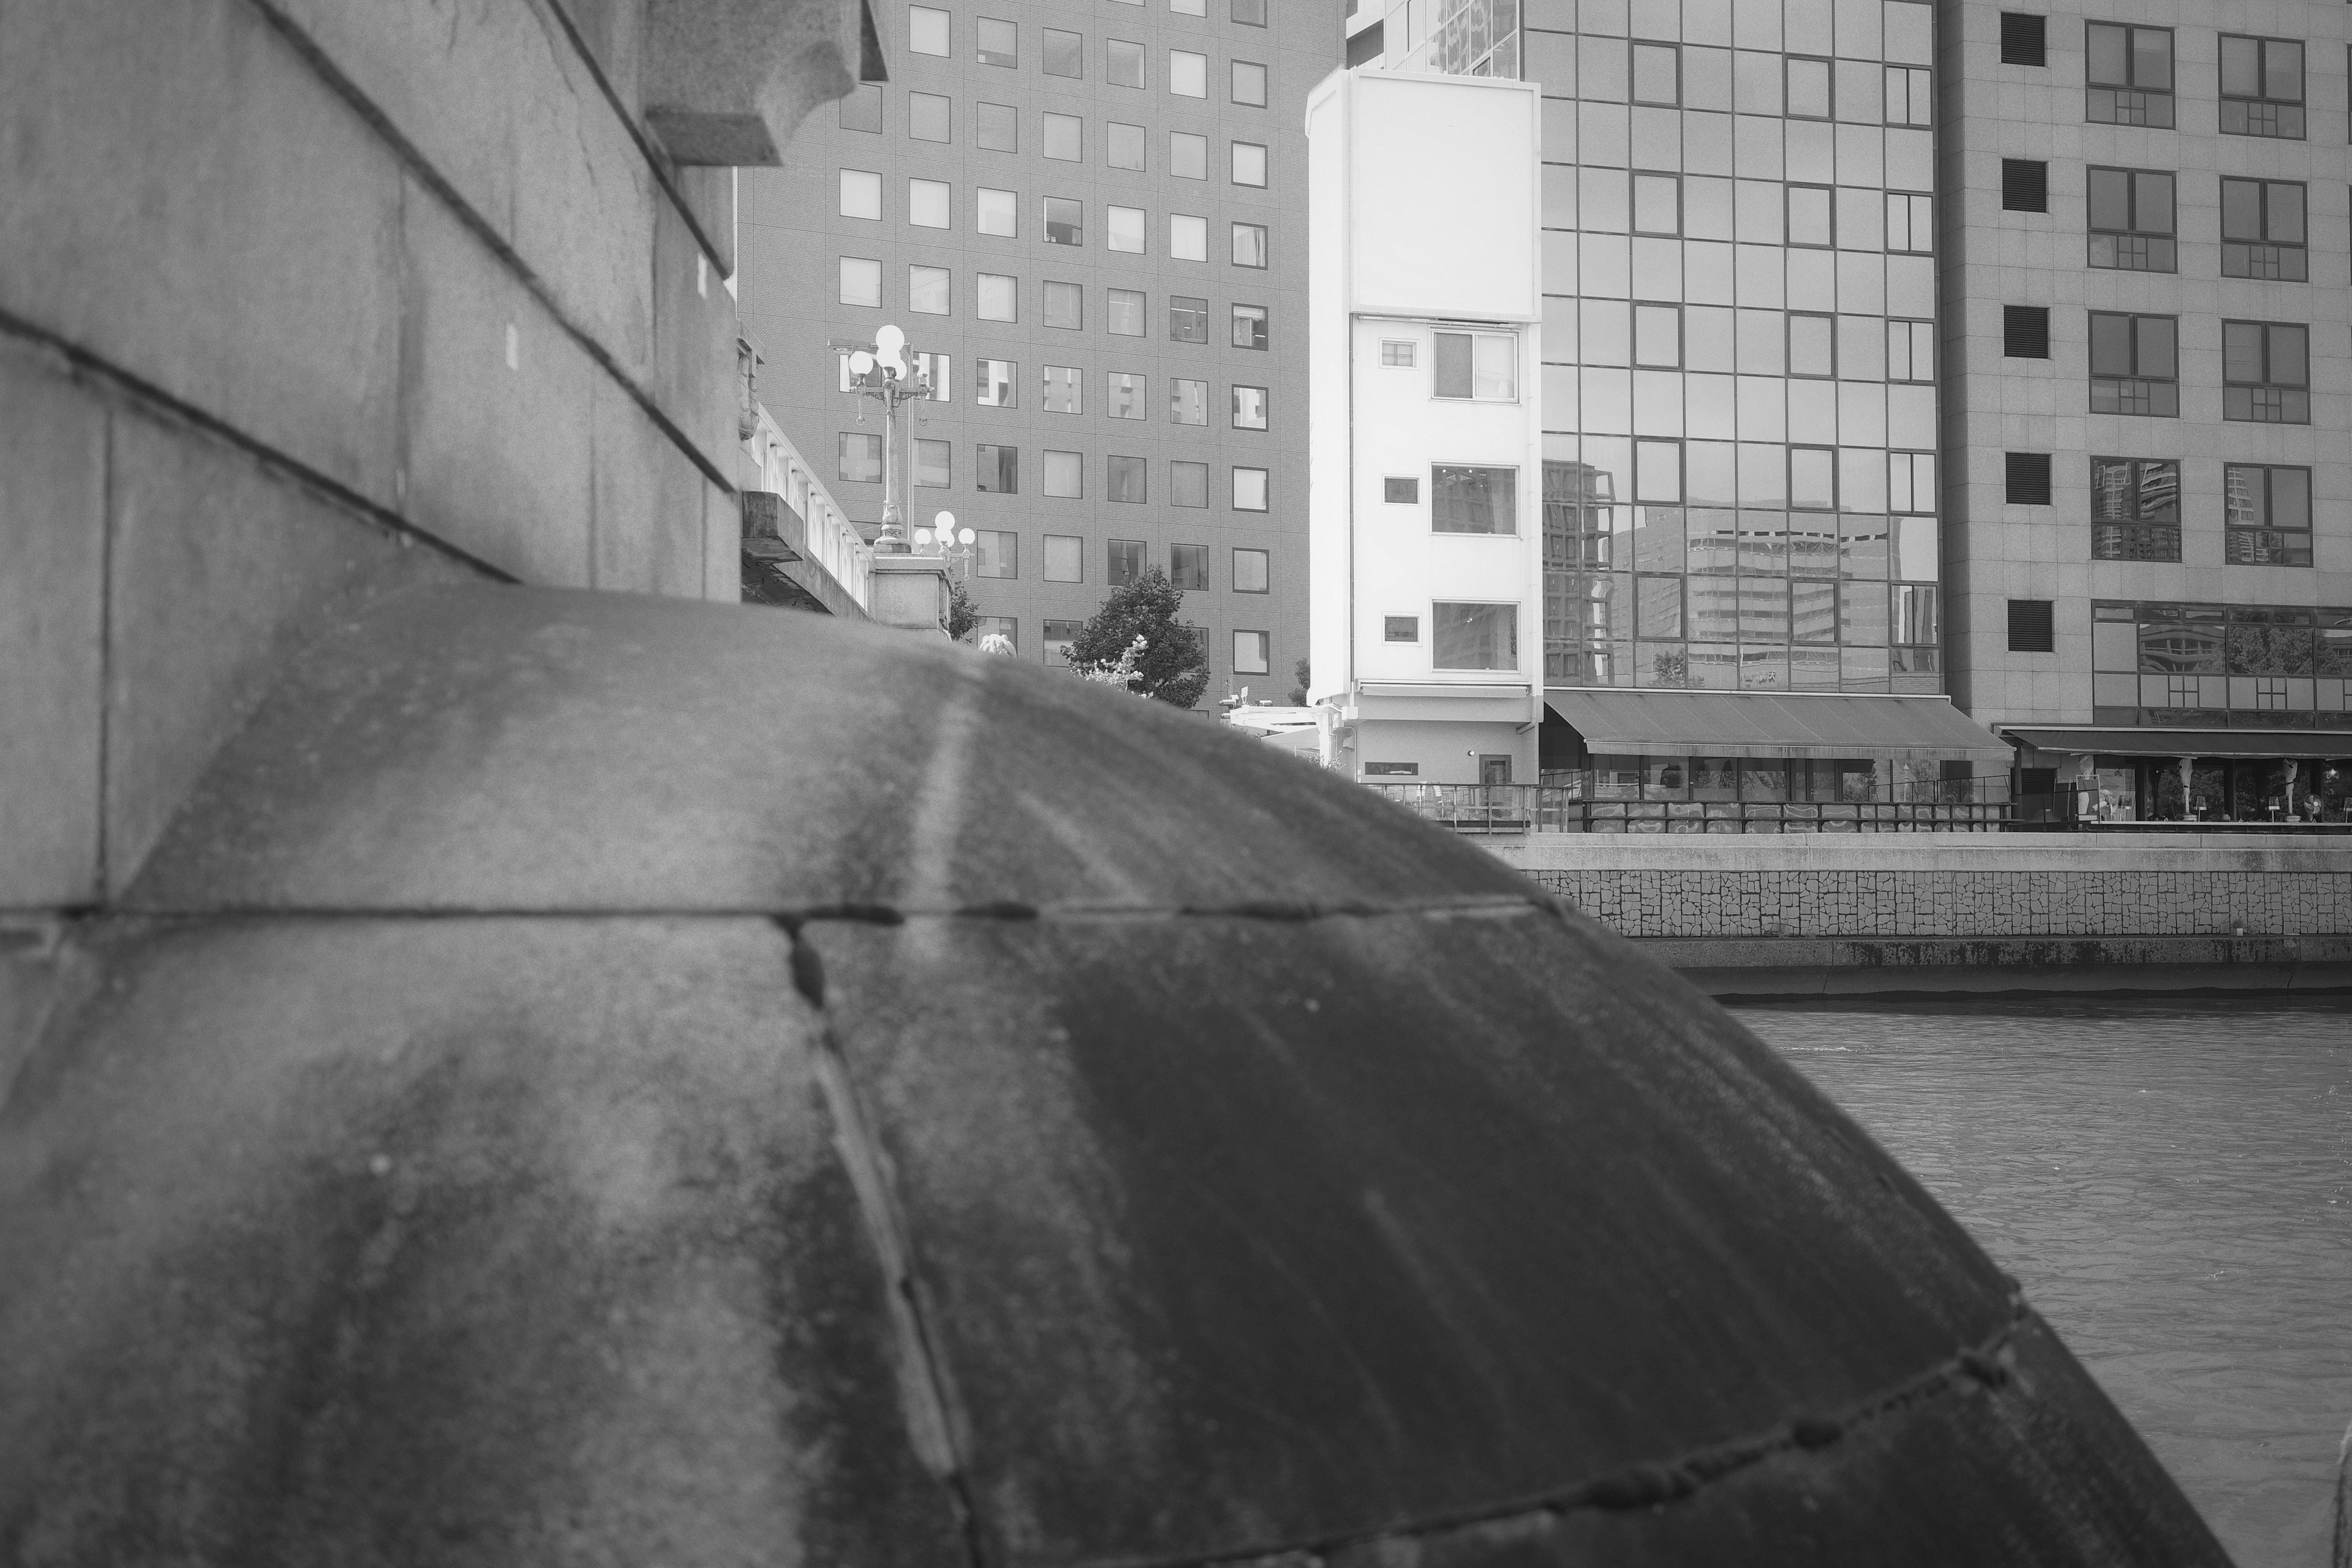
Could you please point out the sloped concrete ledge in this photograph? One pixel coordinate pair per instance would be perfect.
(1739, 969)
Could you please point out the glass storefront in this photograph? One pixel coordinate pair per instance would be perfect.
(2188, 665)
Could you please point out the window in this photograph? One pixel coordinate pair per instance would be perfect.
(1123, 312)
(995, 381)
(927, 31)
(927, 290)
(1250, 487)
(996, 212)
(1062, 391)
(1249, 13)
(1187, 155)
(1249, 163)
(2022, 38)
(2266, 372)
(996, 470)
(1910, 223)
(1123, 63)
(1473, 501)
(1188, 237)
(2263, 230)
(1064, 558)
(2131, 219)
(1058, 636)
(1123, 145)
(1395, 352)
(931, 464)
(1401, 489)
(1808, 88)
(1188, 484)
(1005, 626)
(1123, 229)
(1909, 98)
(999, 42)
(1658, 470)
(1123, 479)
(2129, 75)
(1123, 561)
(1482, 365)
(1189, 7)
(1250, 574)
(2135, 508)
(1188, 319)
(1188, 74)
(1911, 351)
(1065, 307)
(2030, 626)
(859, 459)
(1400, 629)
(1914, 618)
(1188, 566)
(2266, 513)
(995, 553)
(861, 193)
(1249, 245)
(861, 281)
(2134, 365)
(1250, 326)
(1064, 221)
(2028, 475)
(1251, 653)
(1188, 401)
(928, 117)
(1911, 481)
(1812, 479)
(2261, 87)
(2025, 331)
(1064, 479)
(2025, 186)
(1475, 637)
(862, 110)
(1812, 344)
(1126, 390)
(996, 297)
(1065, 53)
(1809, 215)
(1657, 204)
(937, 368)
(927, 203)
(1657, 74)
(1658, 337)
(1248, 84)
(996, 127)
(1249, 407)
(1065, 137)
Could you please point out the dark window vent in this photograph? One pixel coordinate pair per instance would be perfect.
(2025, 186)
(2021, 39)
(2025, 331)
(2030, 626)
(2029, 478)
(1365, 46)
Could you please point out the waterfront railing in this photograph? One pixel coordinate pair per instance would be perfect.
(1556, 809)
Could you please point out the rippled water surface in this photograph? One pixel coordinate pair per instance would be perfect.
(2172, 1181)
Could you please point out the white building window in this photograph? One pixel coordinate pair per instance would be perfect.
(1251, 653)
(1474, 637)
(1188, 74)
(861, 281)
(861, 193)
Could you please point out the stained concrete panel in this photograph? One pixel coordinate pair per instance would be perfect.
(696, 367)
(494, 407)
(722, 546)
(217, 222)
(220, 571)
(52, 626)
(648, 500)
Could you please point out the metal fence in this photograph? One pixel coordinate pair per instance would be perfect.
(1556, 809)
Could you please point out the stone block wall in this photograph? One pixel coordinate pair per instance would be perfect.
(1976, 886)
(302, 301)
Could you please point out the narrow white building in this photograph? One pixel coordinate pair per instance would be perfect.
(1425, 504)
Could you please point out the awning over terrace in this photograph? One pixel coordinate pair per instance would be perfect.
(2137, 742)
(1775, 724)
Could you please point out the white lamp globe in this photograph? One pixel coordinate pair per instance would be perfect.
(860, 363)
(965, 536)
(944, 523)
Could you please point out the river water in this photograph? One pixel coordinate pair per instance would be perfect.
(2172, 1182)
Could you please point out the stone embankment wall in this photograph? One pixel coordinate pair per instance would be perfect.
(2003, 885)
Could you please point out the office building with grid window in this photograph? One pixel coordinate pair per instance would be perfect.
(2146, 390)
(1734, 615)
(1085, 215)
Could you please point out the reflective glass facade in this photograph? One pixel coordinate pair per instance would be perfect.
(1739, 335)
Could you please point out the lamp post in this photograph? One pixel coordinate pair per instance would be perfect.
(949, 542)
(886, 374)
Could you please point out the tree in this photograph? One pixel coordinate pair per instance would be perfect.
(1169, 667)
(963, 615)
(1305, 679)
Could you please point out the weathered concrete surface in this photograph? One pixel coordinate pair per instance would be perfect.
(1822, 966)
(603, 1079)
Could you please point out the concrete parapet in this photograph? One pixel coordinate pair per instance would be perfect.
(1804, 966)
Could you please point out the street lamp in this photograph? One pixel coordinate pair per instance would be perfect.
(884, 373)
(952, 544)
